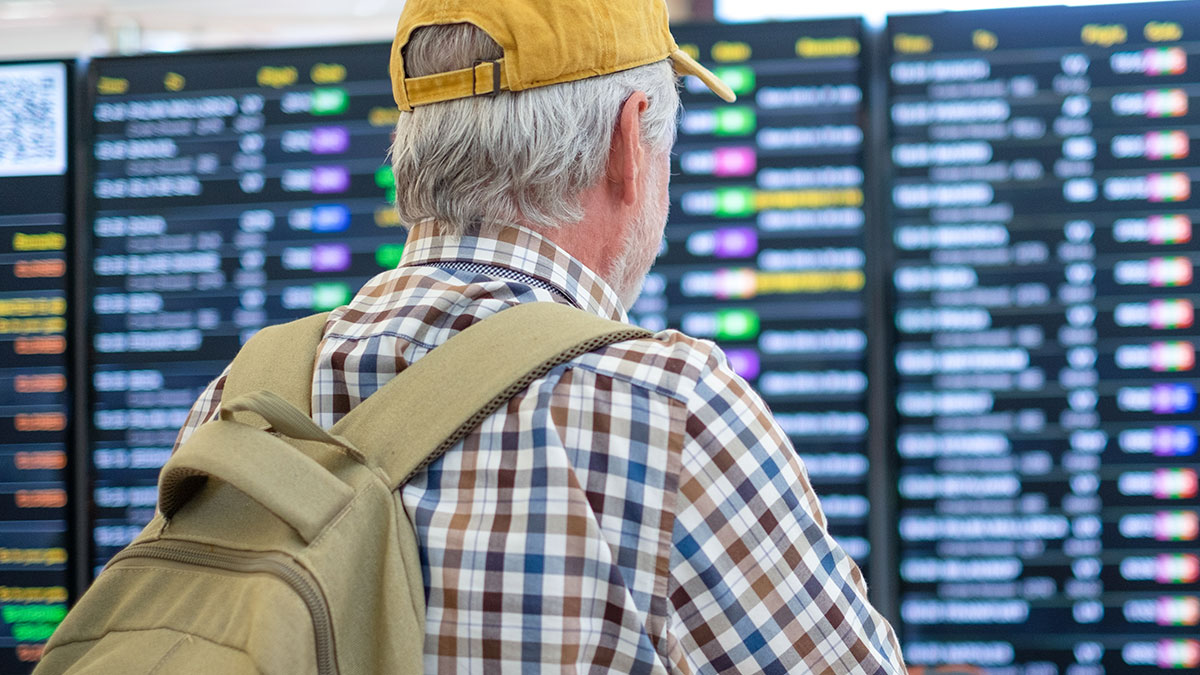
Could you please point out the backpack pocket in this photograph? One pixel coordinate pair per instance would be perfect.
(194, 608)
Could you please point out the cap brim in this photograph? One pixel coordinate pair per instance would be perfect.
(686, 65)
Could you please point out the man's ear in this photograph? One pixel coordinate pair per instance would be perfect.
(627, 158)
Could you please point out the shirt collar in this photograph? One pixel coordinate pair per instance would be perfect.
(520, 249)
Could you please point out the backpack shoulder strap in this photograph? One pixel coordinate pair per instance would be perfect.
(278, 359)
(438, 400)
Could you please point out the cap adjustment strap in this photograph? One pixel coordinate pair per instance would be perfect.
(485, 78)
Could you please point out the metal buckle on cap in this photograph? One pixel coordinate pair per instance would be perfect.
(495, 78)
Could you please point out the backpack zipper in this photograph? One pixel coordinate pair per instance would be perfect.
(299, 579)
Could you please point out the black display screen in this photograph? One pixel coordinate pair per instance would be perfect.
(229, 192)
(35, 217)
(1043, 164)
(765, 248)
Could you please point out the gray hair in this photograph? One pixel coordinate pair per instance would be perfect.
(521, 156)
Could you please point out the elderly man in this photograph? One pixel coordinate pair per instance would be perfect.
(638, 509)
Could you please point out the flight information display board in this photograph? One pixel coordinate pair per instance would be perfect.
(764, 252)
(233, 191)
(35, 218)
(1043, 226)
(229, 192)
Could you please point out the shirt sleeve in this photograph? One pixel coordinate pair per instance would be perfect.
(203, 410)
(756, 582)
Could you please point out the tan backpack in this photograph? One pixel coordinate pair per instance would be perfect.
(297, 556)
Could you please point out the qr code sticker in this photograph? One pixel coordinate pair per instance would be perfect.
(33, 120)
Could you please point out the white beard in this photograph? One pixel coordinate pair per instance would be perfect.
(642, 241)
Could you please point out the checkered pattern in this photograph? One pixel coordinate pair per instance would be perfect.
(637, 510)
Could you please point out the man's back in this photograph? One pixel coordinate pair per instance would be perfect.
(636, 510)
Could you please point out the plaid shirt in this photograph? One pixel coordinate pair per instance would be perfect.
(637, 510)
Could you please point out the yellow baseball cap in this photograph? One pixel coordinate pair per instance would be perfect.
(545, 42)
